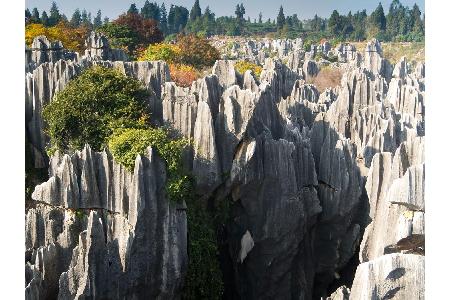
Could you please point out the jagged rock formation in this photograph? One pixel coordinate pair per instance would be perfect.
(97, 46)
(393, 276)
(42, 50)
(49, 78)
(99, 231)
(313, 179)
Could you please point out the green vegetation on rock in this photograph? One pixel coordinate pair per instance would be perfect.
(204, 279)
(242, 66)
(126, 144)
(92, 106)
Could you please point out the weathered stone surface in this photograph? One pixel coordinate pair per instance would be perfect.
(311, 178)
(97, 47)
(224, 70)
(342, 293)
(374, 61)
(42, 51)
(393, 276)
(132, 233)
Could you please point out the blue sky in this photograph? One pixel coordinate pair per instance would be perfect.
(305, 9)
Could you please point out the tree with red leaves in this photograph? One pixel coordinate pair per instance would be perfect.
(147, 30)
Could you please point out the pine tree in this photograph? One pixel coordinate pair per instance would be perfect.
(55, 17)
(281, 20)
(35, 18)
(86, 19)
(133, 9)
(208, 20)
(417, 25)
(378, 18)
(151, 11)
(393, 19)
(27, 15)
(105, 20)
(316, 23)
(44, 18)
(163, 19)
(196, 11)
(237, 12)
(296, 22)
(334, 23)
(177, 18)
(359, 25)
(260, 18)
(75, 21)
(98, 19)
(242, 9)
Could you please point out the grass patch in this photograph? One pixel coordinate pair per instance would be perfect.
(326, 78)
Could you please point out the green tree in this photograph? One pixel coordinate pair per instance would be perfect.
(417, 24)
(75, 21)
(359, 25)
(317, 24)
(86, 19)
(260, 18)
(120, 36)
(151, 11)
(281, 20)
(196, 11)
(208, 22)
(55, 16)
(44, 19)
(335, 23)
(27, 15)
(163, 19)
(377, 23)
(35, 18)
(177, 18)
(240, 11)
(133, 9)
(106, 20)
(296, 22)
(92, 106)
(98, 19)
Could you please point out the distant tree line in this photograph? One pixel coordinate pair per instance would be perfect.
(401, 23)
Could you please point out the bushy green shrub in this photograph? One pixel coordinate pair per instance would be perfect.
(307, 45)
(92, 105)
(126, 144)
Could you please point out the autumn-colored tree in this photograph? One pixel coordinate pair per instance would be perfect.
(197, 51)
(183, 75)
(162, 51)
(146, 29)
(72, 38)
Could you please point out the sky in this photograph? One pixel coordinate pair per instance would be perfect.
(305, 9)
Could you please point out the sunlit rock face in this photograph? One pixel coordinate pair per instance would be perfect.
(315, 181)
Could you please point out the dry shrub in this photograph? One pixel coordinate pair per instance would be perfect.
(183, 75)
(326, 78)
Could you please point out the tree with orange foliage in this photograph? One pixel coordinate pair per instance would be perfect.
(197, 51)
(72, 38)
